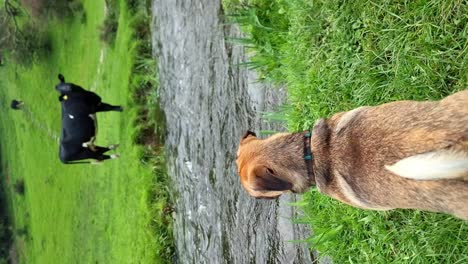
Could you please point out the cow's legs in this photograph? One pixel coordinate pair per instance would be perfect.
(103, 107)
(101, 150)
(114, 146)
(86, 153)
(93, 147)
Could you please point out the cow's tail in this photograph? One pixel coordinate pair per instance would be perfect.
(40, 125)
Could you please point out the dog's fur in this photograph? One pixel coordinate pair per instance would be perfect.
(403, 154)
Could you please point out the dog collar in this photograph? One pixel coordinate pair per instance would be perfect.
(308, 156)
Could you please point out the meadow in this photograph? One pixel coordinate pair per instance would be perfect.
(113, 212)
(337, 55)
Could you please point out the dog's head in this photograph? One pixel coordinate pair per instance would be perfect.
(270, 167)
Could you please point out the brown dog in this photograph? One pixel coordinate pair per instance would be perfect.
(403, 154)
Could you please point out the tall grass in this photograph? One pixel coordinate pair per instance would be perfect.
(336, 55)
(150, 128)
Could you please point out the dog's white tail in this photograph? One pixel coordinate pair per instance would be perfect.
(441, 164)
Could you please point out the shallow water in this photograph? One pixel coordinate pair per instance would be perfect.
(209, 102)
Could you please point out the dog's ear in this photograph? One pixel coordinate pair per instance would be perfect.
(249, 133)
(268, 180)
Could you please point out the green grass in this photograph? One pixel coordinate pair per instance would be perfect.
(108, 213)
(336, 55)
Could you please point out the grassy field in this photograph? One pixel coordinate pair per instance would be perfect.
(108, 213)
(336, 55)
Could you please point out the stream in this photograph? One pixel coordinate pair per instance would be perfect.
(209, 102)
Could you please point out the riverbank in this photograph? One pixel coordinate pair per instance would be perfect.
(334, 56)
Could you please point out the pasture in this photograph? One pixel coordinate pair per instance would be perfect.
(331, 55)
(334, 56)
(107, 213)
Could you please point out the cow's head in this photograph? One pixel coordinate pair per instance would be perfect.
(63, 87)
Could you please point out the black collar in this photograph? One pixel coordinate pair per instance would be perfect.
(308, 156)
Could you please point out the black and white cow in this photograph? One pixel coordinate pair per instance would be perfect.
(79, 123)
